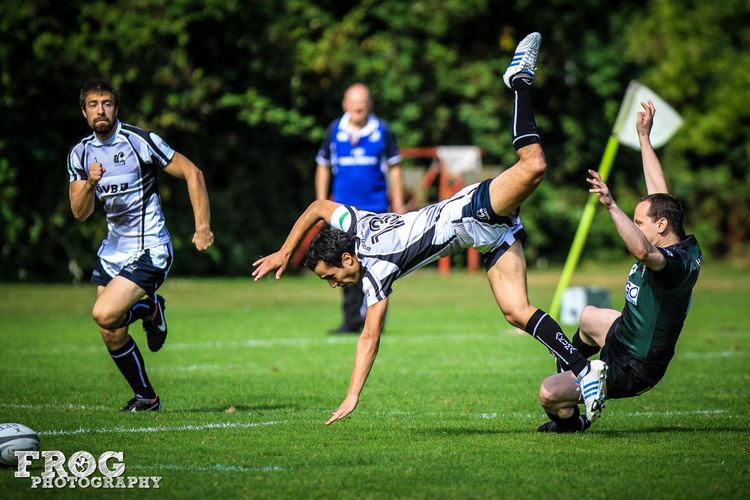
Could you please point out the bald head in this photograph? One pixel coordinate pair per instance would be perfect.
(357, 103)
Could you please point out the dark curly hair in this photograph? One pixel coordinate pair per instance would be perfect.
(98, 86)
(329, 245)
(667, 206)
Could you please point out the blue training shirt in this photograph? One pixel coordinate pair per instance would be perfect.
(359, 170)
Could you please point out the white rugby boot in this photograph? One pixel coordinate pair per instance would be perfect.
(524, 58)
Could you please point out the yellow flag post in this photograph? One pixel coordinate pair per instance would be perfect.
(579, 241)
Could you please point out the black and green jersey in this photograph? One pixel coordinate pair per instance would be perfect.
(657, 303)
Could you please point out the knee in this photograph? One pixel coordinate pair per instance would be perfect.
(518, 315)
(104, 317)
(534, 164)
(514, 318)
(547, 397)
(584, 320)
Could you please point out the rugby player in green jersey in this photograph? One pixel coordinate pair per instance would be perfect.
(638, 343)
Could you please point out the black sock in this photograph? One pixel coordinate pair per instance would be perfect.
(130, 362)
(524, 125)
(586, 350)
(574, 423)
(546, 330)
(144, 308)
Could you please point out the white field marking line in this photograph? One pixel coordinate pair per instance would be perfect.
(290, 342)
(712, 354)
(165, 428)
(48, 406)
(668, 413)
(198, 367)
(206, 468)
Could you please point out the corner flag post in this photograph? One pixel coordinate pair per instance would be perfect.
(579, 241)
(623, 131)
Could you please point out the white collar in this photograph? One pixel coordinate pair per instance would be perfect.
(371, 125)
(111, 139)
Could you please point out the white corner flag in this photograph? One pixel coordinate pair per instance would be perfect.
(666, 121)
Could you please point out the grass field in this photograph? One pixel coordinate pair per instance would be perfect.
(248, 377)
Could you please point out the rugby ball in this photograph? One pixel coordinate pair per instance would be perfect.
(16, 437)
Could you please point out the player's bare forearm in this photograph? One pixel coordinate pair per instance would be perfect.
(81, 199)
(652, 170)
(277, 261)
(182, 168)
(634, 239)
(316, 211)
(198, 193)
(367, 351)
(396, 188)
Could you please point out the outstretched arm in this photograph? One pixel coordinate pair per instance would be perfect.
(277, 261)
(367, 349)
(184, 169)
(636, 242)
(652, 171)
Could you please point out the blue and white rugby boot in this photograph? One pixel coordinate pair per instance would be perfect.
(524, 58)
(593, 387)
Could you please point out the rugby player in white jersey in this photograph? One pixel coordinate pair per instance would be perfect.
(373, 250)
(118, 164)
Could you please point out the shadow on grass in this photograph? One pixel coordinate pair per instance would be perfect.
(232, 408)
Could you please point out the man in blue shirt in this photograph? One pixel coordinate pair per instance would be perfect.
(358, 151)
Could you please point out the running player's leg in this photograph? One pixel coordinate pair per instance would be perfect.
(112, 310)
(507, 279)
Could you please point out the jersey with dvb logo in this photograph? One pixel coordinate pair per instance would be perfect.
(390, 246)
(657, 302)
(128, 189)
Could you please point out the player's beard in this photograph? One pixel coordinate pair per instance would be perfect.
(103, 127)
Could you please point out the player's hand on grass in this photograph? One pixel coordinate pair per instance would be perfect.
(202, 239)
(96, 171)
(645, 119)
(277, 261)
(600, 188)
(348, 406)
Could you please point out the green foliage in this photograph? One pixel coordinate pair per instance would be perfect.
(697, 55)
(247, 89)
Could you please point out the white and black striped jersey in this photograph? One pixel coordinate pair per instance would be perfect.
(390, 246)
(129, 187)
